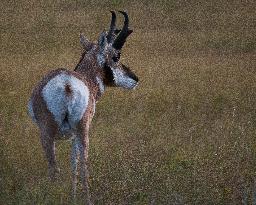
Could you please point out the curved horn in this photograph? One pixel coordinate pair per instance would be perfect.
(112, 28)
(124, 33)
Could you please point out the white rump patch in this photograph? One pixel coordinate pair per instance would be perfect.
(101, 59)
(66, 106)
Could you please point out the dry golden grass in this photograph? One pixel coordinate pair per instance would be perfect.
(185, 136)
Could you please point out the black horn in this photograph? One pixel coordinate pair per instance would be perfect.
(112, 28)
(124, 33)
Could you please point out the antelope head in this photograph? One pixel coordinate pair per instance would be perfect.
(108, 53)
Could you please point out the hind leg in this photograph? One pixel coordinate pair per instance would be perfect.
(74, 161)
(83, 147)
(47, 140)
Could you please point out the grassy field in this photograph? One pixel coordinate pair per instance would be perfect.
(186, 135)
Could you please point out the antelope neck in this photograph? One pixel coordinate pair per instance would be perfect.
(91, 70)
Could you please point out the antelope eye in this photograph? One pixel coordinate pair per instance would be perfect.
(115, 59)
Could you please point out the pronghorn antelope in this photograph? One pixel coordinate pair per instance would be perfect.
(63, 103)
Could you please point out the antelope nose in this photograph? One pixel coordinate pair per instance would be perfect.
(134, 77)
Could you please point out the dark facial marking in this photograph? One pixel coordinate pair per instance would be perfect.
(116, 58)
(109, 78)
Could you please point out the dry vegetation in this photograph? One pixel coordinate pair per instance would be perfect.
(187, 135)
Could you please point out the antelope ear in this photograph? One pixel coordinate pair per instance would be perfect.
(85, 43)
(109, 76)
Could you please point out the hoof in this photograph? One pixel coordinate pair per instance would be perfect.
(88, 203)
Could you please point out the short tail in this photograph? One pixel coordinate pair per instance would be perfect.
(68, 89)
(65, 125)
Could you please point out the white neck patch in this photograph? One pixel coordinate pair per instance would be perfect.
(100, 59)
(101, 85)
